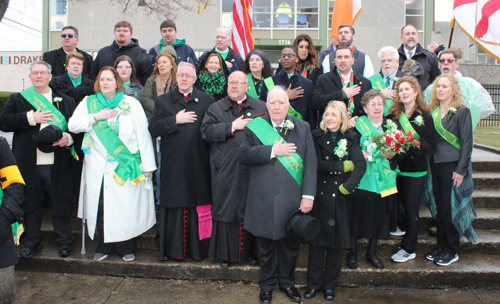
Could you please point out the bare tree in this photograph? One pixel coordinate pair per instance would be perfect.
(160, 9)
(4, 4)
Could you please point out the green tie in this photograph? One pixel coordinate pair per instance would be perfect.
(388, 82)
(278, 128)
(410, 54)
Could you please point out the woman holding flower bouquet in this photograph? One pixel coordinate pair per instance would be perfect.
(117, 191)
(340, 167)
(373, 201)
(451, 170)
(413, 115)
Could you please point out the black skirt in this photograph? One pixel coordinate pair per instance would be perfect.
(369, 214)
(230, 242)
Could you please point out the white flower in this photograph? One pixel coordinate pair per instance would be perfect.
(124, 106)
(288, 125)
(341, 149)
(452, 110)
(419, 120)
(57, 100)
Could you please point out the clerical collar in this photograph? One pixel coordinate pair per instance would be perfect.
(240, 101)
(187, 94)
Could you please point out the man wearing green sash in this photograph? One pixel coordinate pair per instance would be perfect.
(279, 150)
(11, 198)
(299, 89)
(385, 81)
(25, 114)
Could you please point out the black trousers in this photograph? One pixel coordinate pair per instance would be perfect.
(277, 261)
(33, 220)
(323, 272)
(122, 248)
(410, 190)
(448, 237)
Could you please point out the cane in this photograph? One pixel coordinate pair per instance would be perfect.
(84, 216)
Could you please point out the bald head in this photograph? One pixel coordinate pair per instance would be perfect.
(237, 85)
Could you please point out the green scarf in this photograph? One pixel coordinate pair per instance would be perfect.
(212, 84)
(76, 82)
(126, 85)
(113, 102)
(178, 42)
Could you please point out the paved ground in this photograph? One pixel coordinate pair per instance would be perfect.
(53, 288)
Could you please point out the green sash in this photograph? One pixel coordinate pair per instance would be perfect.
(128, 163)
(378, 84)
(41, 103)
(405, 123)
(268, 136)
(252, 91)
(291, 111)
(379, 177)
(449, 137)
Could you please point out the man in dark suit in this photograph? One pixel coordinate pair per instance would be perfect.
(233, 60)
(385, 80)
(46, 173)
(343, 83)
(57, 58)
(299, 89)
(274, 193)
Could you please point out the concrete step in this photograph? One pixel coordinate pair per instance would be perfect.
(486, 180)
(485, 161)
(470, 271)
(487, 198)
(487, 219)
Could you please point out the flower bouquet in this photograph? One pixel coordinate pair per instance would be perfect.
(392, 141)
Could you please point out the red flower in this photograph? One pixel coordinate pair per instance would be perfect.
(388, 140)
(396, 148)
(417, 142)
(410, 136)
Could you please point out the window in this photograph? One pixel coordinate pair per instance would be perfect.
(414, 14)
(58, 14)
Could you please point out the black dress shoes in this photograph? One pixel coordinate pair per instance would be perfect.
(252, 260)
(266, 296)
(376, 262)
(329, 295)
(66, 250)
(310, 293)
(292, 293)
(352, 260)
(225, 264)
(29, 251)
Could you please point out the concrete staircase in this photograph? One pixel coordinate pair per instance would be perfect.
(478, 267)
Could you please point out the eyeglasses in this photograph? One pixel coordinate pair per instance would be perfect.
(374, 105)
(41, 73)
(238, 84)
(187, 76)
(69, 35)
(123, 67)
(289, 55)
(444, 60)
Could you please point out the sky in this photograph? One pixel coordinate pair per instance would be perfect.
(21, 27)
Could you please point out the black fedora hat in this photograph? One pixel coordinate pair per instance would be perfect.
(301, 226)
(46, 137)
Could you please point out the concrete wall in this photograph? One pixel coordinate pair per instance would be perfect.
(14, 70)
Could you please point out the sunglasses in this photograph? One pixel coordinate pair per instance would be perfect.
(449, 60)
(69, 35)
(289, 55)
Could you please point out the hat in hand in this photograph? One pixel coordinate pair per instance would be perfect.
(301, 226)
(46, 137)
(413, 67)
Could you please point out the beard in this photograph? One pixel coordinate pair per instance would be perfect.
(345, 43)
(121, 40)
(411, 44)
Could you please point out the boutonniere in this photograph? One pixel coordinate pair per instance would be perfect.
(57, 100)
(288, 125)
(452, 111)
(419, 121)
(391, 125)
(124, 106)
(341, 148)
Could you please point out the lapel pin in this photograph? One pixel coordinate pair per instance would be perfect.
(249, 114)
(327, 142)
(196, 99)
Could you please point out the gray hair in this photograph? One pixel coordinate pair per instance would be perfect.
(69, 27)
(47, 65)
(388, 50)
(278, 88)
(187, 64)
(228, 31)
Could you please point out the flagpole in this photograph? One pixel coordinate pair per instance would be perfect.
(451, 33)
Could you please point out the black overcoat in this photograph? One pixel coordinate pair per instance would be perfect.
(64, 86)
(273, 194)
(229, 177)
(57, 59)
(329, 87)
(13, 119)
(10, 209)
(330, 205)
(185, 156)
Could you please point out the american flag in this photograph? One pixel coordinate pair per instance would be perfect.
(242, 27)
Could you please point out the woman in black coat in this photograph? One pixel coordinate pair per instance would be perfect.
(73, 83)
(212, 76)
(339, 154)
(413, 115)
